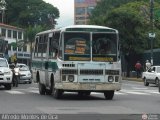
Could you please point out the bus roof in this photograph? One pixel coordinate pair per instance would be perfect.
(90, 28)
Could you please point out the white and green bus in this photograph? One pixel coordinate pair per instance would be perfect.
(78, 58)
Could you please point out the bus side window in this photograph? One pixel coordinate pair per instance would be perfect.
(53, 48)
(36, 47)
(45, 40)
(42, 46)
(53, 45)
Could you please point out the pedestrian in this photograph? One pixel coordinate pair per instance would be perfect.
(148, 64)
(138, 68)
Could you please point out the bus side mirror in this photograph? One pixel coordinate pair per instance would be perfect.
(46, 65)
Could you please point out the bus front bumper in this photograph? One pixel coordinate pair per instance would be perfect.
(88, 86)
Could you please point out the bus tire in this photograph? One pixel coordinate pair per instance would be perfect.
(57, 93)
(37, 77)
(109, 94)
(42, 89)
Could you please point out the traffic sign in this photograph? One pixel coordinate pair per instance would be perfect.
(152, 35)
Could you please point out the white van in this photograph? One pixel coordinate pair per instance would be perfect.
(6, 74)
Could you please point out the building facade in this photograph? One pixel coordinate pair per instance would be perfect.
(82, 10)
(14, 36)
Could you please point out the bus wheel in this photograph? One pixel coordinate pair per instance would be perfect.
(57, 93)
(42, 89)
(109, 94)
(48, 92)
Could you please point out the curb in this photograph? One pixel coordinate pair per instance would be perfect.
(133, 79)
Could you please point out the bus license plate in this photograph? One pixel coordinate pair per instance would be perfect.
(92, 87)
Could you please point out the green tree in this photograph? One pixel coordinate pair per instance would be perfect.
(103, 8)
(132, 19)
(23, 13)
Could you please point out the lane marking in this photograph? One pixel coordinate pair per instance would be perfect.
(136, 93)
(15, 92)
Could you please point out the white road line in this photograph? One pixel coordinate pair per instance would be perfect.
(155, 92)
(137, 88)
(120, 93)
(33, 91)
(15, 92)
(136, 93)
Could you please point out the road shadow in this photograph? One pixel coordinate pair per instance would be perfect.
(2, 88)
(152, 85)
(73, 96)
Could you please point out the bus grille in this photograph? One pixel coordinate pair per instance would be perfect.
(69, 71)
(91, 72)
(112, 72)
(68, 65)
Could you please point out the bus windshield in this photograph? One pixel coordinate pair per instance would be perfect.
(77, 46)
(104, 47)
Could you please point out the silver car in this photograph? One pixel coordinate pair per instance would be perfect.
(24, 73)
(152, 75)
(6, 74)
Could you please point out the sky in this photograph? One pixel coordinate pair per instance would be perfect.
(66, 9)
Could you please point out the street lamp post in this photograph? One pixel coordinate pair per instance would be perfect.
(152, 34)
(2, 8)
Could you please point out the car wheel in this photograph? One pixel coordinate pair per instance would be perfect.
(8, 86)
(157, 81)
(145, 82)
(42, 89)
(109, 94)
(30, 82)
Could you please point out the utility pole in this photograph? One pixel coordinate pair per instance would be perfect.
(152, 34)
(2, 9)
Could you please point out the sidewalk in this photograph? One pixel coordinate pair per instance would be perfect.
(132, 79)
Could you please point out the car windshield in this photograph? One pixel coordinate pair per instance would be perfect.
(3, 63)
(20, 65)
(24, 68)
(158, 69)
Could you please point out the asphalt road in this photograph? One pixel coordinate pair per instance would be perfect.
(132, 102)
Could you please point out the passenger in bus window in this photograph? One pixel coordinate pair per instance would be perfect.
(105, 47)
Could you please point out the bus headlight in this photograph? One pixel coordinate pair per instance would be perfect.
(70, 78)
(110, 79)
